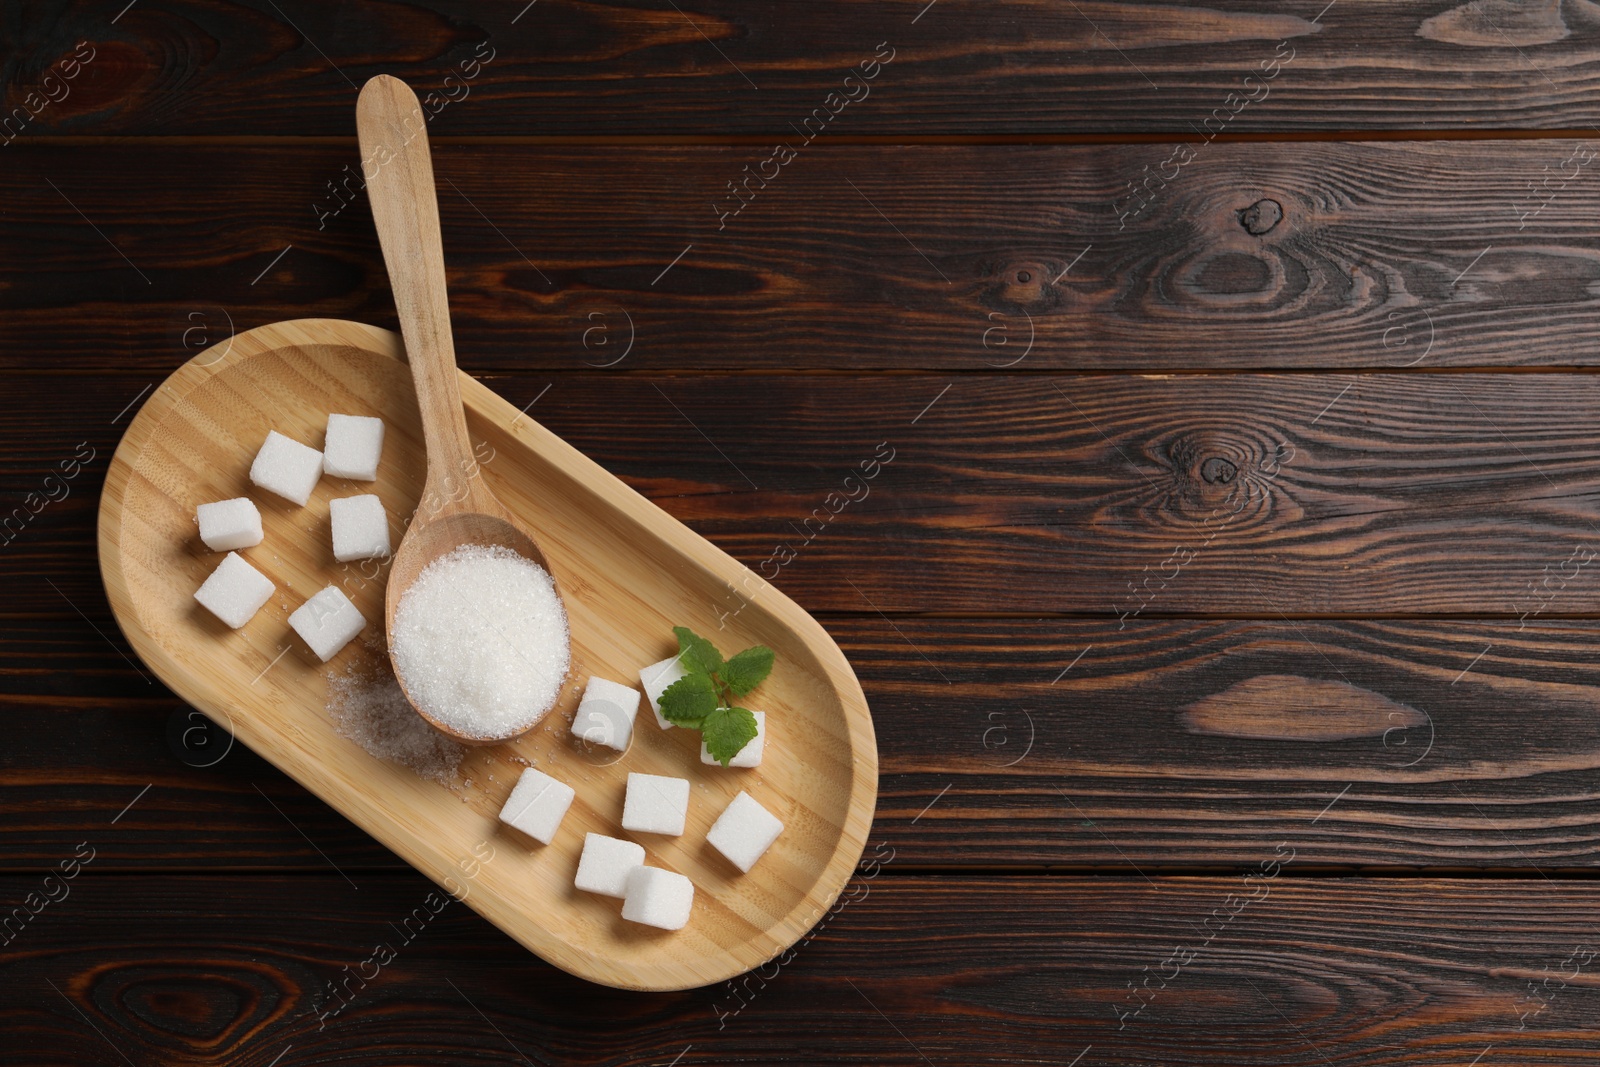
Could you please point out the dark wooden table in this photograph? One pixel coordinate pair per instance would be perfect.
(1228, 611)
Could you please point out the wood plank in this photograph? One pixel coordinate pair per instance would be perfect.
(1382, 256)
(1093, 495)
(909, 970)
(567, 67)
(1451, 744)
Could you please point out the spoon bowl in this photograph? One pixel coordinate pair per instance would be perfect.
(431, 539)
(457, 508)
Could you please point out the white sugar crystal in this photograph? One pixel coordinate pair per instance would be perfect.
(352, 447)
(286, 467)
(480, 641)
(605, 715)
(750, 754)
(655, 679)
(537, 805)
(360, 527)
(327, 622)
(235, 591)
(658, 898)
(606, 863)
(744, 831)
(229, 524)
(655, 804)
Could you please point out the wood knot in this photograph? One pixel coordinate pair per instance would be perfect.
(1221, 476)
(214, 1007)
(1261, 216)
(1021, 286)
(1288, 707)
(1218, 471)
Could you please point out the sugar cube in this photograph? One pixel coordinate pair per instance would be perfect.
(235, 591)
(229, 524)
(655, 804)
(750, 754)
(352, 447)
(286, 467)
(606, 863)
(655, 679)
(744, 831)
(360, 527)
(537, 805)
(658, 898)
(605, 715)
(328, 621)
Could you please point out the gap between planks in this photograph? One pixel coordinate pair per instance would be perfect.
(1264, 371)
(1308, 873)
(703, 140)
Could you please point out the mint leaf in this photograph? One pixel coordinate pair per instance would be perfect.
(727, 730)
(689, 700)
(748, 669)
(696, 653)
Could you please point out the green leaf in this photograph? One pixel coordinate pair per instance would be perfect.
(689, 700)
(696, 653)
(726, 731)
(748, 669)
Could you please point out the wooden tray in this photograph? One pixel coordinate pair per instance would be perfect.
(629, 572)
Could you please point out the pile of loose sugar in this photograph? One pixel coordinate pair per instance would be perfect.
(481, 640)
(367, 707)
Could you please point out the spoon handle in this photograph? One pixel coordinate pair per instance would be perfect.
(399, 173)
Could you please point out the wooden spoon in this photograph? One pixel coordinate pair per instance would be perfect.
(457, 508)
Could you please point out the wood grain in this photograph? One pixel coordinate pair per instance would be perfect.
(718, 68)
(910, 970)
(1376, 256)
(627, 571)
(1102, 496)
(1004, 742)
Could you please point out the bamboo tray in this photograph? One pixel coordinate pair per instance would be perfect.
(629, 573)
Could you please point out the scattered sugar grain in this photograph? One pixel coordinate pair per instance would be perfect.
(229, 524)
(367, 706)
(481, 640)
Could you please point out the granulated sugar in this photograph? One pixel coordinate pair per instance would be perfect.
(367, 706)
(481, 640)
